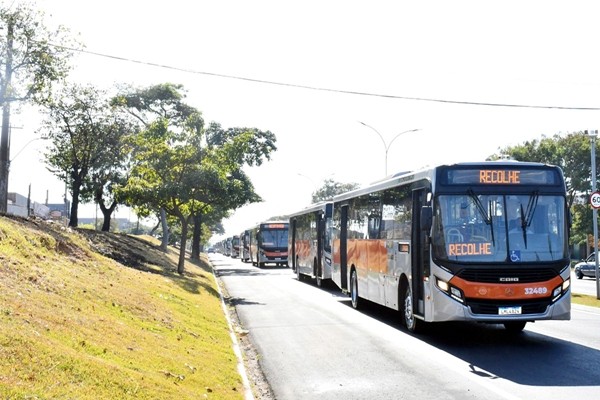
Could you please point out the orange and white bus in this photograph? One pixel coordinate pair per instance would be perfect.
(245, 245)
(269, 243)
(309, 248)
(484, 242)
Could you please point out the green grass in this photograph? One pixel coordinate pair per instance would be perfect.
(77, 324)
(585, 300)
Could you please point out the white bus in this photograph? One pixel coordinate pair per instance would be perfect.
(484, 242)
(268, 244)
(309, 248)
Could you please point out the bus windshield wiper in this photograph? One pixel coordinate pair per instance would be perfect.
(527, 215)
(487, 216)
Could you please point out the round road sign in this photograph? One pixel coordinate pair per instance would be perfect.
(595, 199)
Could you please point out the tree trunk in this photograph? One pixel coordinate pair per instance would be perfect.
(74, 203)
(196, 237)
(184, 229)
(165, 228)
(106, 211)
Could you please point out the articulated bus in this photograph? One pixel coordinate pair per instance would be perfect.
(485, 242)
(309, 242)
(268, 243)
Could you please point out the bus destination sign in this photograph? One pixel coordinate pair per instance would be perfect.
(506, 176)
(274, 226)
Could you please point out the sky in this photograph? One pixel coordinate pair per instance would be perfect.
(338, 81)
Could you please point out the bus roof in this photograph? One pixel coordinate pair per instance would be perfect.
(429, 174)
(320, 206)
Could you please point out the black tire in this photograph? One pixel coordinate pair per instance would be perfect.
(579, 274)
(514, 327)
(356, 303)
(409, 320)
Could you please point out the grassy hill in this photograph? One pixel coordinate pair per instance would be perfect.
(93, 315)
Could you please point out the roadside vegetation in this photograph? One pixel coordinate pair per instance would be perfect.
(98, 315)
(585, 300)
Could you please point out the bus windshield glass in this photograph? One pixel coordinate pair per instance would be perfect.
(493, 228)
(274, 238)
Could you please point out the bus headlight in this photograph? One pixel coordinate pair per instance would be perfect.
(560, 290)
(450, 290)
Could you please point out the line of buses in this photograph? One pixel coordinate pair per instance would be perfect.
(265, 243)
(485, 242)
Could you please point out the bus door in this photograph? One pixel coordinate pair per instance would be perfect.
(292, 244)
(419, 253)
(320, 229)
(344, 248)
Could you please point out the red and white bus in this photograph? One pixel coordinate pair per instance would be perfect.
(269, 243)
(484, 242)
(309, 244)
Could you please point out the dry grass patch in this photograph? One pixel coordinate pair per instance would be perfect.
(77, 324)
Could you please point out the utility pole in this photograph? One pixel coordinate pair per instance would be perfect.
(592, 135)
(5, 134)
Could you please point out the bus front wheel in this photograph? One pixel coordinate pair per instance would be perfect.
(409, 320)
(354, 290)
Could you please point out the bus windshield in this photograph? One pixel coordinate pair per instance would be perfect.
(492, 228)
(274, 238)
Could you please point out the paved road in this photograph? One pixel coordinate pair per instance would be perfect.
(584, 285)
(313, 345)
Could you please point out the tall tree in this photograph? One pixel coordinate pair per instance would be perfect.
(85, 135)
(175, 166)
(240, 146)
(29, 64)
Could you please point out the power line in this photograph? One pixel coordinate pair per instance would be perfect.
(324, 89)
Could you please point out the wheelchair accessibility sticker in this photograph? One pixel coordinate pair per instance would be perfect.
(515, 255)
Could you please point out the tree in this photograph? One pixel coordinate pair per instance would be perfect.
(331, 188)
(86, 136)
(572, 153)
(180, 169)
(29, 65)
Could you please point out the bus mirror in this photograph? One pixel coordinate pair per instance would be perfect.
(328, 210)
(426, 216)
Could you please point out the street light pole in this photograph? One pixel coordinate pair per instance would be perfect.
(592, 135)
(387, 146)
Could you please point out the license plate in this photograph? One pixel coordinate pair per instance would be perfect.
(278, 258)
(509, 310)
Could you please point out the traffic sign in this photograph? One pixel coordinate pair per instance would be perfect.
(595, 200)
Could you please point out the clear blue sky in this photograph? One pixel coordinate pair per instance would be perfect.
(394, 65)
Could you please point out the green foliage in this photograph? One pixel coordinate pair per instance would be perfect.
(178, 167)
(30, 60)
(331, 188)
(87, 139)
(571, 152)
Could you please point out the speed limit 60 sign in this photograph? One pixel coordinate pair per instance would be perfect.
(595, 199)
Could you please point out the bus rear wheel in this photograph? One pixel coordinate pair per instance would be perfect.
(409, 320)
(354, 290)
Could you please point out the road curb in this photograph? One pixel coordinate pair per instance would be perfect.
(248, 395)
